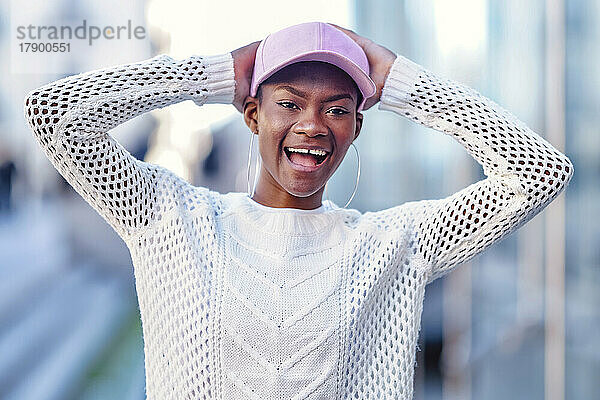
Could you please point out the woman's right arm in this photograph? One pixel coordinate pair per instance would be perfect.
(71, 118)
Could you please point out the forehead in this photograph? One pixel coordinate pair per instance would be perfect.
(314, 73)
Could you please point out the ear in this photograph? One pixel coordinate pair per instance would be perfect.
(250, 113)
(359, 121)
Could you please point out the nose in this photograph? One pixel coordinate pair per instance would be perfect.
(311, 123)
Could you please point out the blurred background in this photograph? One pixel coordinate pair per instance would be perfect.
(519, 321)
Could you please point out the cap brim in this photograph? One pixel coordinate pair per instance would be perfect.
(364, 82)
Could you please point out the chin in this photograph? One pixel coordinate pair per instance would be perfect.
(302, 190)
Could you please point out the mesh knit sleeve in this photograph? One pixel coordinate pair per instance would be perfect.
(524, 172)
(70, 119)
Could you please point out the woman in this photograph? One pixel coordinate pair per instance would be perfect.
(277, 294)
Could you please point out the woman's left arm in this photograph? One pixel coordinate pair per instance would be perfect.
(524, 172)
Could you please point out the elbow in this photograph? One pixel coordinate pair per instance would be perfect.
(568, 169)
(28, 109)
(33, 109)
(560, 176)
(548, 181)
(27, 103)
(41, 110)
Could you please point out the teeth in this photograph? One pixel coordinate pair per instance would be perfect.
(307, 151)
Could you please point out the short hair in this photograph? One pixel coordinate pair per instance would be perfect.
(358, 92)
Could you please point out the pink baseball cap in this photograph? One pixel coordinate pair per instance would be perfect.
(312, 41)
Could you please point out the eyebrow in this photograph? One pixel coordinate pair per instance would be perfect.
(302, 94)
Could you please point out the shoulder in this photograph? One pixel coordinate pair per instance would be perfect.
(396, 218)
(177, 194)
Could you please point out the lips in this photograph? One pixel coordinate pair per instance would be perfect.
(306, 158)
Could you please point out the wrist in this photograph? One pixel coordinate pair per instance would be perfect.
(215, 83)
(388, 68)
(399, 83)
(383, 74)
(242, 87)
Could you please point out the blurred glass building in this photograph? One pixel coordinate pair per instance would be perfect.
(517, 321)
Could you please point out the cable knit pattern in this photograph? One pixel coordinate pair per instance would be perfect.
(243, 301)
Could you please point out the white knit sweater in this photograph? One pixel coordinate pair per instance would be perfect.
(242, 301)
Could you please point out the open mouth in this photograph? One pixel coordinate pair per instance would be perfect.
(306, 157)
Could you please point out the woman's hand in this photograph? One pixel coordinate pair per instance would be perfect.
(380, 62)
(243, 64)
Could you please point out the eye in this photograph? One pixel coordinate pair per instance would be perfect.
(339, 111)
(287, 104)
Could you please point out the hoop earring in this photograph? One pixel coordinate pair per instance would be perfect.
(248, 168)
(355, 184)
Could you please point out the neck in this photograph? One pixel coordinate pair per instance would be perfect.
(271, 194)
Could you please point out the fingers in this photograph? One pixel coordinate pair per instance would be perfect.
(249, 45)
(349, 32)
(341, 28)
(360, 40)
(254, 45)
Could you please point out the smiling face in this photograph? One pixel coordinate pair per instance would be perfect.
(306, 119)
